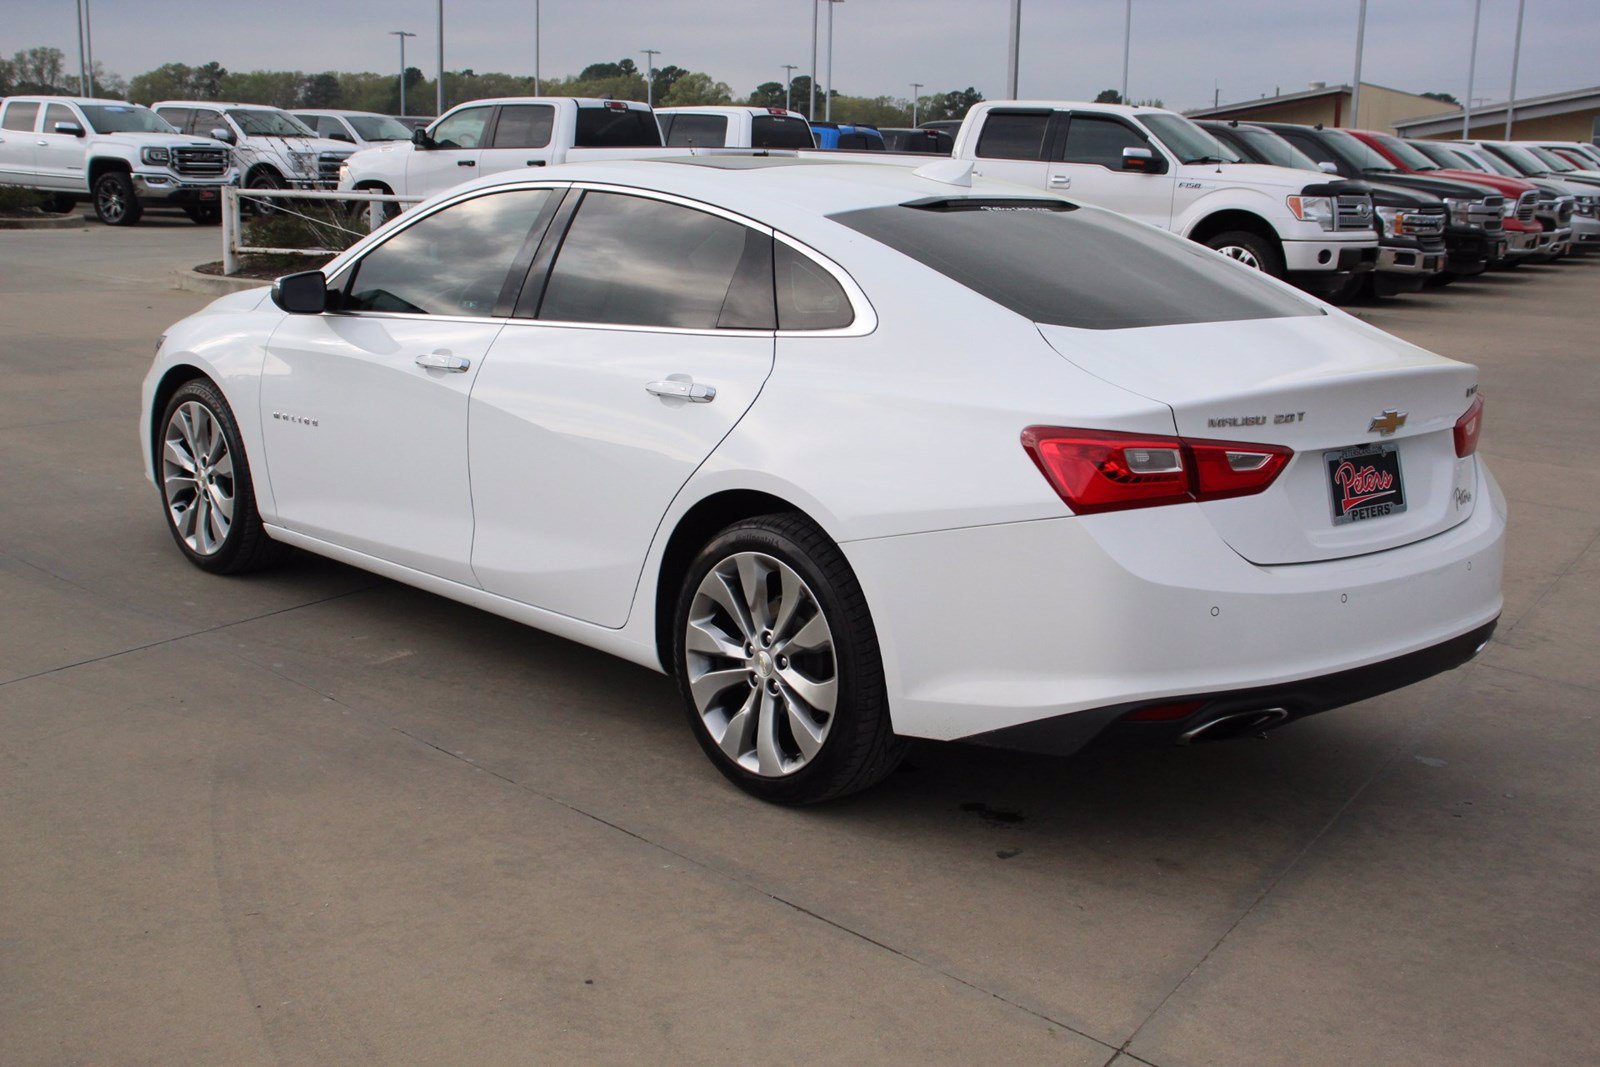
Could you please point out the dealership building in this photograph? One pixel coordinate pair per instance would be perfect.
(1382, 108)
(1570, 116)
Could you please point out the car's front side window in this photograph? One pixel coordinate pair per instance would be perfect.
(454, 262)
(464, 129)
(1091, 139)
(633, 261)
(58, 113)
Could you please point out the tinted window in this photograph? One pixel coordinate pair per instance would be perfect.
(780, 131)
(1270, 148)
(176, 117)
(124, 118)
(58, 113)
(1076, 267)
(379, 128)
(20, 116)
(1013, 135)
(631, 261)
(1186, 140)
(1316, 150)
(604, 127)
(464, 129)
(453, 262)
(202, 122)
(1091, 139)
(330, 127)
(265, 122)
(861, 142)
(524, 126)
(808, 296)
(700, 131)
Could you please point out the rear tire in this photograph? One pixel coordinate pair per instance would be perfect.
(1250, 249)
(778, 663)
(114, 201)
(59, 203)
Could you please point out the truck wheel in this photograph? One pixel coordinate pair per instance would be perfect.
(114, 202)
(263, 179)
(204, 214)
(1245, 247)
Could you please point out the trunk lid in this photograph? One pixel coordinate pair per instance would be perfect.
(1316, 385)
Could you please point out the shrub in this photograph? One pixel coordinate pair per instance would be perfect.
(15, 201)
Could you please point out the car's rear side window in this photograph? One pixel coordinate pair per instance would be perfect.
(20, 115)
(1013, 134)
(606, 127)
(524, 126)
(780, 131)
(809, 298)
(1057, 263)
(698, 131)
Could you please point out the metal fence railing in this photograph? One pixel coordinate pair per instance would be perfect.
(353, 215)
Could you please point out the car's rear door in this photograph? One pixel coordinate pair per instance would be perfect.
(520, 138)
(628, 360)
(1014, 145)
(17, 138)
(364, 407)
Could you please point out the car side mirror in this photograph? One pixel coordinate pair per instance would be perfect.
(420, 138)
(345, 137)
(1328, 168)
(69, 127)
(1139, 159)
(301, 294)
(225, 136)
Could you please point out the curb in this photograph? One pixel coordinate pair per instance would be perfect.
(53, 222)
(213, 284)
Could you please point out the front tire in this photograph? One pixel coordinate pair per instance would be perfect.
(264, 179)
(778, 663)
(206, 492)
(1250, 249)
(114, 200)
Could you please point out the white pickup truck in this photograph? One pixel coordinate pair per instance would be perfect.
(274, 149)
(1158, 167)
(510, 133)
(734, 127)
(123, 156)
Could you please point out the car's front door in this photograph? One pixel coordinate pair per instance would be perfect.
(59, 156)
(1089, 166)
(457, 144)
(364, 407)
(650, 339)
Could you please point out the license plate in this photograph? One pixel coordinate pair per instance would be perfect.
(208, 194)
(1365, 483)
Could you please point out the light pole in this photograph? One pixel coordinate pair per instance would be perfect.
(650, 75)
(1127, 47)
(402, 34)
(915, 88)
(1472, 70)
(788, 86)
(438, 102)
(811, 106)
(1511, 101)
(536, 43)
(1014, 45)
(827, 100)
(88, 41)
(83, 62)
(1355, 91)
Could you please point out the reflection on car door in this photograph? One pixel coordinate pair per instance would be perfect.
(364, 409)
(458, 142)
(1088, 166)
(581, 432)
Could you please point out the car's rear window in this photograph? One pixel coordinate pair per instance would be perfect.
(780, 131)
(605, 127)
(1057, 263)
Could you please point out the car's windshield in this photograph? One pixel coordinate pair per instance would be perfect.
(1444, 157)
(1407, 154)
(1553, 161)
(124, 118)
(1519, 158)
(260, 122)
(1274, 149)
(1364, 155)
(1053, 262)
(378, 128)
(1187, 141)
(1485, 160)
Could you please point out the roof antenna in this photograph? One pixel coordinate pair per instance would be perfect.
(948, 172)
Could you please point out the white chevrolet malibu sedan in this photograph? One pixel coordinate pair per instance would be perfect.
(854, 452)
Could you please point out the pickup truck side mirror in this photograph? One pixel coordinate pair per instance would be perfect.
(420, 138)
(305, 293)
(345, 137)
(1141, 159)
(225, 136)
(69, 127)
(1328, 168)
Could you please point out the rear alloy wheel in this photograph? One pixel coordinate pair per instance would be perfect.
(1252, 250)
(779, 665)
(114, 202)
(205, 484)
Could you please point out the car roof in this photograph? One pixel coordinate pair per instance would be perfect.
(217, 103)
(335, 111)
(51, 98)
(722, 109)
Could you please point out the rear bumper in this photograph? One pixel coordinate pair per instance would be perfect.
(989, 629)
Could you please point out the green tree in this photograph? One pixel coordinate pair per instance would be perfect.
(767, 94)
(1108, 96)
(666, 77)
(205, 81)
(39, 70)
(696, 88)
(952, 105)
(277, 88)
(170, 81)
(1446, 98)
(321, 90)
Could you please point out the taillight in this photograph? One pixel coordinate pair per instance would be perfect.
(1468, 427)
(1103, 470)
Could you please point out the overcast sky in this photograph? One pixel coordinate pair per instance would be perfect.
(1182, 49)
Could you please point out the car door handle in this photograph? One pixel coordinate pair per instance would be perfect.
(466, 163)
(443, 361)
(42, 144)
(683, 389)
(535, 162)
(1061, 181)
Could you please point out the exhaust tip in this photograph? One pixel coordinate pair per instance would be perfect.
(1233, 725)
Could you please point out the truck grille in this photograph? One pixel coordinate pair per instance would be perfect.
(1353, 213)
(1525, 205)
(200, 162)
(1426, 221)
(1489, 213)
(328, 165)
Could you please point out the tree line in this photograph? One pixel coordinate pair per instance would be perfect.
(44, 70)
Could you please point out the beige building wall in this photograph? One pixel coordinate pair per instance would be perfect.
(1381, 108)
(1576, 126)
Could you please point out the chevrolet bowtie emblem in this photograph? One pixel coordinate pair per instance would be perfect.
(1387, 423)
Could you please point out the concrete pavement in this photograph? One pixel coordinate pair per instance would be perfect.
(317, 817)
